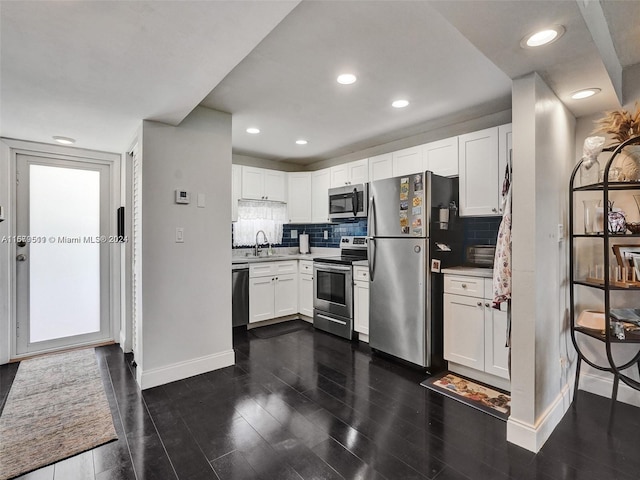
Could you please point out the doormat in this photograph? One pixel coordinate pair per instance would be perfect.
(278, 329)
(477, 395)
(56, 408)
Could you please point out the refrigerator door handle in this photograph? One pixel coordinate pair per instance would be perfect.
(371, 243)
(371, 254)
(372, 217)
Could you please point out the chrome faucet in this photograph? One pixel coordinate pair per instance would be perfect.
(257, 248)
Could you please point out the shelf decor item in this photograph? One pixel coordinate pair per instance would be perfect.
(616, 220)
(590, 168)
(623, 125)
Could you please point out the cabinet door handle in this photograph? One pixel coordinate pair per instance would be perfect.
(464, 285)
(479, 304)
(494, 210)
(487, 305)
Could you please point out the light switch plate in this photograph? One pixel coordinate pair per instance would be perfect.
(560, 232)
(294, 234)
(326, 235)
(179, 235)
(201, 200)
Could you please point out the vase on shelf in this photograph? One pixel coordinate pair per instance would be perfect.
(592, 217)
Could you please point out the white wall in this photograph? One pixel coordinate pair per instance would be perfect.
(186, 287)
(543, 145)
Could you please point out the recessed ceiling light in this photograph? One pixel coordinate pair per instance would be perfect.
(543, 37)
(64, 140)
(253, 130)
(347, 79)
(301, 142)
(400, 103)
(586, 93)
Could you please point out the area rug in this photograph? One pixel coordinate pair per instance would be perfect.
(482, 397)
(278, 329)
(56, 408)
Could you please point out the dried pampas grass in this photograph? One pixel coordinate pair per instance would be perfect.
(620, 124)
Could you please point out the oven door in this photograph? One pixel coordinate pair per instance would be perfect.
(333, 289)
(348, 202)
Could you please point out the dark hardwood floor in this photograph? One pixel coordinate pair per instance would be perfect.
(308, 405)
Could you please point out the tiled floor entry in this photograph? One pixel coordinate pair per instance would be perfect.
(308, 405)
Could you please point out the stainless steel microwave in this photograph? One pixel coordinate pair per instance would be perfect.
(348, 202)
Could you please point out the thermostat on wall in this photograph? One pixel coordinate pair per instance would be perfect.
(182, 196)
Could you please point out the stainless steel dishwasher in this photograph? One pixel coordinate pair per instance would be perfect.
(240, 294)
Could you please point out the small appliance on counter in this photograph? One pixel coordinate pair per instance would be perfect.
(481, 256)
(304, 243)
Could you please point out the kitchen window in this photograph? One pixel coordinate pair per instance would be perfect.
(254, 215)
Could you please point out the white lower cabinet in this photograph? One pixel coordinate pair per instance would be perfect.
(286, 295)
(474, 332)
(361, 301)
(305, 288)
(273, 290)
(261, 299)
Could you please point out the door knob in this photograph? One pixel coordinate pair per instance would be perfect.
(21, 258)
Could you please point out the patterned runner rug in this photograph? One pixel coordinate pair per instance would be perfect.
(477, 395)
(56, 408)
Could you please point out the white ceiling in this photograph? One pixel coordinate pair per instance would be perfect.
(94, 70)
(287, 85)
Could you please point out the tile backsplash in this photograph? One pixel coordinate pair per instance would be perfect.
(316, 232)
(476, 231)
(480, 230)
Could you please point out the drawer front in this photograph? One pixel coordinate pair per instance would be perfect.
(306, 267)
(461, 285)
(261, 269)
(361, 274)
(283, 268)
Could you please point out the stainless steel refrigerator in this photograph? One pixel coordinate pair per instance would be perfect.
(414, 232)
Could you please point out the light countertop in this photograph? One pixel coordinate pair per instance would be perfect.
(470, 271)
(281, 257)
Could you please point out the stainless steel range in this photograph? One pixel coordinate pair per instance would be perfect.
(333, 287)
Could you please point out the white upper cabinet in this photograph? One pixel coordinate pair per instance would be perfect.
(275, 186)
(358, 171)
(350, 173)
(407, 161)
(299, 201)
(236, 190)
(263, 184)
(252, 183)
(380, 167)
(479, 175)
(320, 183)
(441, 157)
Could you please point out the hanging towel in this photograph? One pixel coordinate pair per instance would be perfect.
(502, 260)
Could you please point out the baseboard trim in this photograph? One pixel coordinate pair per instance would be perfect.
(532, 437)
(189, 368)
(604, 386)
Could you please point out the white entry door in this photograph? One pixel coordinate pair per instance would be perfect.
(61, 253)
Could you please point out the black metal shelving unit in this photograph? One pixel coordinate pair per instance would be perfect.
(606, 287)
